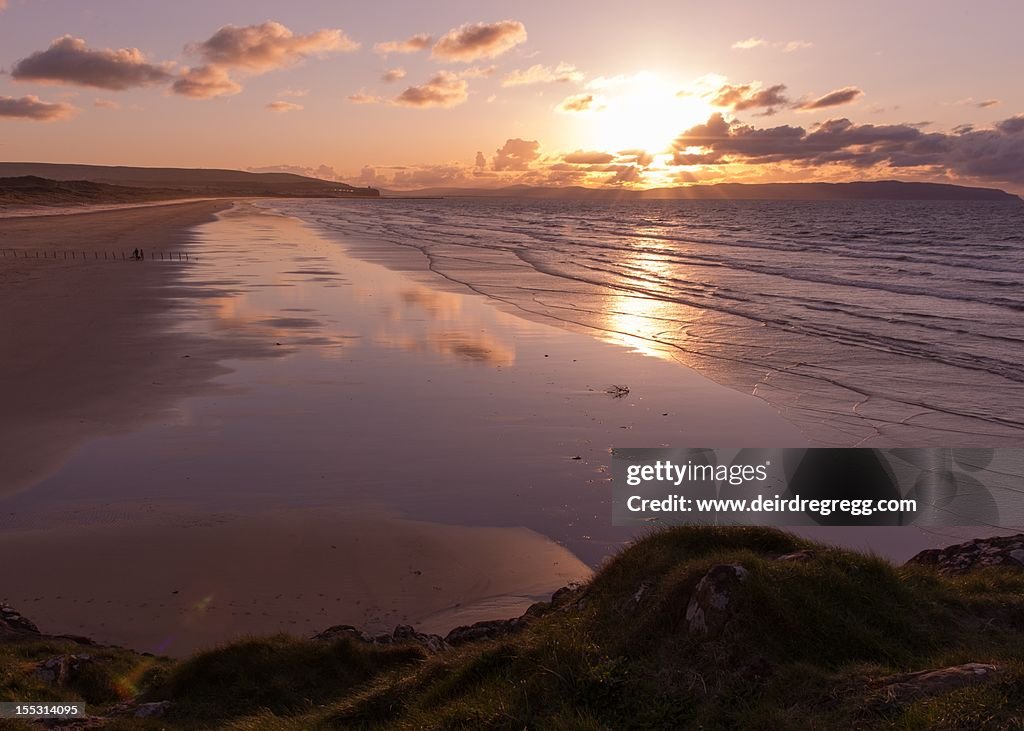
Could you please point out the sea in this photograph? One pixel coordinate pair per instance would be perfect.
(864, 323)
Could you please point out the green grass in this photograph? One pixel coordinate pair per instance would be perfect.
(802, 651)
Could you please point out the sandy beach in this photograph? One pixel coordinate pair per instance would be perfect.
(215, 427)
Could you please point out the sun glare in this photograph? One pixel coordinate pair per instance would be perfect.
(645, 112)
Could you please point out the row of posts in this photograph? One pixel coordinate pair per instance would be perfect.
(84, 256)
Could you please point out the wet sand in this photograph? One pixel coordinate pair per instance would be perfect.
(85, 346)
(194, 580)
(448, 437)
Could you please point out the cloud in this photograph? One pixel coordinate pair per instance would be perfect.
(443, 90)
(361, 97)
(294, 93)
(480, 162)
(444, 174)
(995, 154)
(393, 74)
(282, 106)
(986, 103)
(69, 60)
(750, 96)
(105, 104)
(205, 82)
(268, 46)
(473, 41)
(790, 46)
(33, 108)
(418, 42)
(478, 72)
(580, 103)
(846, 95)
(516, 154)
(540, 74)
(588, 158)
(785, 46)
(748, 43)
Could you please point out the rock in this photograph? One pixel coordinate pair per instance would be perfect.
(431, 643)
(152, 710)
(796, 557)
(980, 553)
(486, 630)
(342, 630)
(927, 683)
(711, 606)
(63, 669)
(13, 624)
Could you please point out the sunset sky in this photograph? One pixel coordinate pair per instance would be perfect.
(411, 94)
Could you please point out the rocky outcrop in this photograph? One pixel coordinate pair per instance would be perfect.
(567, 597)
(13, 625)
(64, 669)
(712, 604)
(899, 689)
(1007, 551)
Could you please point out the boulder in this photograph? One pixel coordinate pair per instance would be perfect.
(711, 605)
(1006, 551)
(63, 669)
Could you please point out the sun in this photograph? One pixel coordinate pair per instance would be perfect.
(643, 111)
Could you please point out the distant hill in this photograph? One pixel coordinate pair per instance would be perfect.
(191, 181)
(868, 190)
(36, 191)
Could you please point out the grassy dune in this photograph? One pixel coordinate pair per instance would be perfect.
(823, 640)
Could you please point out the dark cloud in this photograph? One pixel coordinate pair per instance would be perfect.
(270, 45)
(480, 40)
(412, 44)
(989, 154)
(750, 96)
(480, 162)
(205, 82)
(986, 103)
(516, 154)
(836, 98)
(69, 60)
(33, 108)
(581, 157)
(393, 75)
(443, 90)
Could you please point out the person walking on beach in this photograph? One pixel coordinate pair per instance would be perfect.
(135, 254)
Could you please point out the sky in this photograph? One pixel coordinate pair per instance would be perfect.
(412, 94)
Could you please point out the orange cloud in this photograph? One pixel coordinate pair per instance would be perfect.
(393, 74)
(205, 82)
(69, 60)
(418, 42)
(516, 154)
(33, 108)
(580, 103)
(540, 74)
(473, 41)
(282, 106)
(443, 90)
(270, 45)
